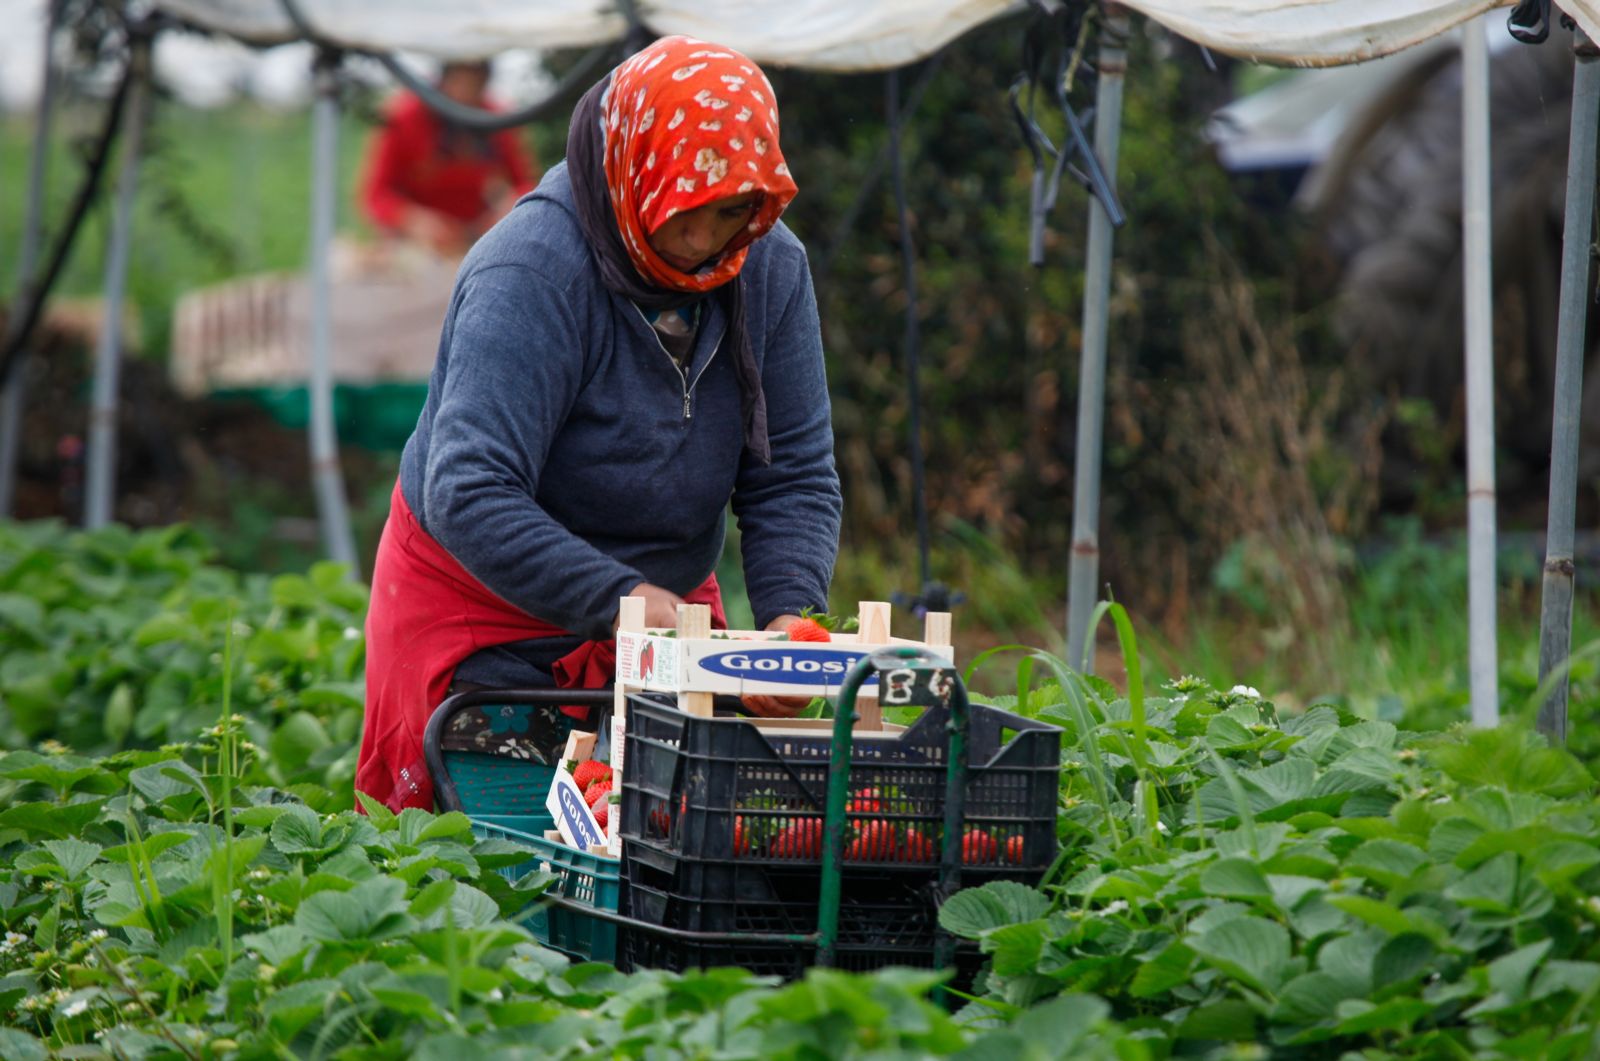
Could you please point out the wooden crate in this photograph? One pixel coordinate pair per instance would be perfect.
(695, 664)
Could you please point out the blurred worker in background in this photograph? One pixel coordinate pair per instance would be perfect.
(439, 184)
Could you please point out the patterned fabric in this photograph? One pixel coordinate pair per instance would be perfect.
(532, 732)
(687, 123)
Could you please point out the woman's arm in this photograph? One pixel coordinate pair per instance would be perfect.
(789, 511)
(516, 363)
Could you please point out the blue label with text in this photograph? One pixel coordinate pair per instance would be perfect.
(785, 665)
(578, 820)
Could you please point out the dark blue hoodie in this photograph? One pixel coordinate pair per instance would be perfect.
(563, 457)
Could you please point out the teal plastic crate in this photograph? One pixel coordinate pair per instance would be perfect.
(592, 880)
(499, 789)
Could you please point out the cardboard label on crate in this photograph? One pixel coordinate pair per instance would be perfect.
(739, 665)
(648, 660)
(619, 729)
(574, 820)
(781, 663)
(772, 667)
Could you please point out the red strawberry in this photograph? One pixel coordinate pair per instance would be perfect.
(741, 840)
(917, 848)
(866, 802)
(800, 839)
(808, 630)
(874, 842)
(602, 813)
(659, 822)
(1014, 850)
(978, 846)
(588, 772)
(597, 792)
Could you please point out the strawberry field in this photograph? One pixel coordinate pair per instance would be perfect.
(184, 872)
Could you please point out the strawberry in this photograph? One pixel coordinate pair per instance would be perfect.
(800, 839)
(741, 840)
(588, 772)
(1014, 850)
(597, 792)
(602, 813)
(866, 802)
(808, 630)
(917, 848)
(978, 846)
(874, 842)
(659, 822)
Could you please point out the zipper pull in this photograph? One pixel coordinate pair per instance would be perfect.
(687, 415)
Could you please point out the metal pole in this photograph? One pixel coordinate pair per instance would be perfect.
(337, 538)
(100, 480)
(1555, 617)
(1478, 297)
(1085, 565)
(11, 396)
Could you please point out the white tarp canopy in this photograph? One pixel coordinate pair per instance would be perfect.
(840, 34)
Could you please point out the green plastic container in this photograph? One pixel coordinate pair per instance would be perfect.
(377, 416)
(592, 880)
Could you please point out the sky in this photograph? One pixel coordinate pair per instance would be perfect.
(205, 72)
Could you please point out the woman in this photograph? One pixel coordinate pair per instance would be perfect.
(634, 345)
(438, 185)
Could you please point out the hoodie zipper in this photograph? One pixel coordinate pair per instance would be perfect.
(688, 388)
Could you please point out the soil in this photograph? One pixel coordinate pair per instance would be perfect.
(178, 459)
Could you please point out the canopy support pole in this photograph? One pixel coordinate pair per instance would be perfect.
(1555, 616)
(337, 539)
(1084, 569)
(100, 479)
(11, 397)
(1478, 298)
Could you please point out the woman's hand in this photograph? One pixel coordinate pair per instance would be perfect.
(777, 706)
(660, 605)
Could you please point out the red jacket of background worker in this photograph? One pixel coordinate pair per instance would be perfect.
(419, 159)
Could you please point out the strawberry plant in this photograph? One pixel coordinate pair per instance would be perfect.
(1302, 885)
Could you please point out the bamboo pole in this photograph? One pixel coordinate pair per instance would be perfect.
(1478, 298)
(100, 480)
(1084, 568)
(11, 397)
(1555, 617)
(333, 516)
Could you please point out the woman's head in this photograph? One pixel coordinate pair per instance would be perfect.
(465, 81)
(692, 163)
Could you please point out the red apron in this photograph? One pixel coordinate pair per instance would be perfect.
(427, 615)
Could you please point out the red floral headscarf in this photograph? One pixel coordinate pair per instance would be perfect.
(687, 123)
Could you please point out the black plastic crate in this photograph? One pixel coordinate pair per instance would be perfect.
(885, 918)
(880, 908)
(725, 790)
(660, 949)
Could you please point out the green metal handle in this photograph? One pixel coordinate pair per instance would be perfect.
(834, 820)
